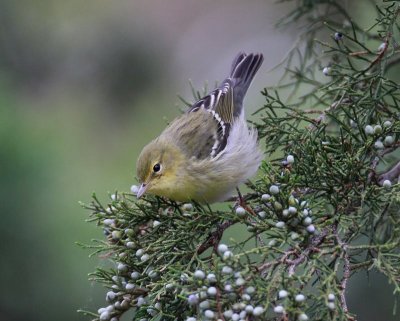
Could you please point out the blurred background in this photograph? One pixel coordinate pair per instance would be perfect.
(83, 86)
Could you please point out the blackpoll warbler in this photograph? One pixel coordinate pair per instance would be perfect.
(205, 153)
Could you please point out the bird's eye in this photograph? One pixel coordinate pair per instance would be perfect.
(156, 168)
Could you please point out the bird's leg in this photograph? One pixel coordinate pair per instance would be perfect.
(214, 238)
(242, 202)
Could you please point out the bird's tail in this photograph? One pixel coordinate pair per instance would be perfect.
(244, 68)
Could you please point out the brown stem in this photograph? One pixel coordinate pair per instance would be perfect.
(219, 308)
(372, 172)
(391, 174)
(346, 274)
(322, 115)
(361, 265)
(315, 242)
(300, 257)
(214, 238)
(380, 54)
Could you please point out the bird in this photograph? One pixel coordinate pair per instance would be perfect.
(204, 154)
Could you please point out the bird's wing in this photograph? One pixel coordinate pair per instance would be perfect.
(197, 134)
(225, 103)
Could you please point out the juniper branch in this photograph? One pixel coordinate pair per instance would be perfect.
(391, 174)
(314, 216)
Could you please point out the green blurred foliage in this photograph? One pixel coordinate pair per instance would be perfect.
(65, 103)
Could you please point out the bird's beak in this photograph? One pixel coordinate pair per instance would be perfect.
(142, 190)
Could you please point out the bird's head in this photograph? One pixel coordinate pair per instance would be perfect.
(158, 167)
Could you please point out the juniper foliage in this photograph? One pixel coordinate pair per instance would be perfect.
(326, 210)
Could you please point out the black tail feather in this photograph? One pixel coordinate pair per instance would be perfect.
(244, 68)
